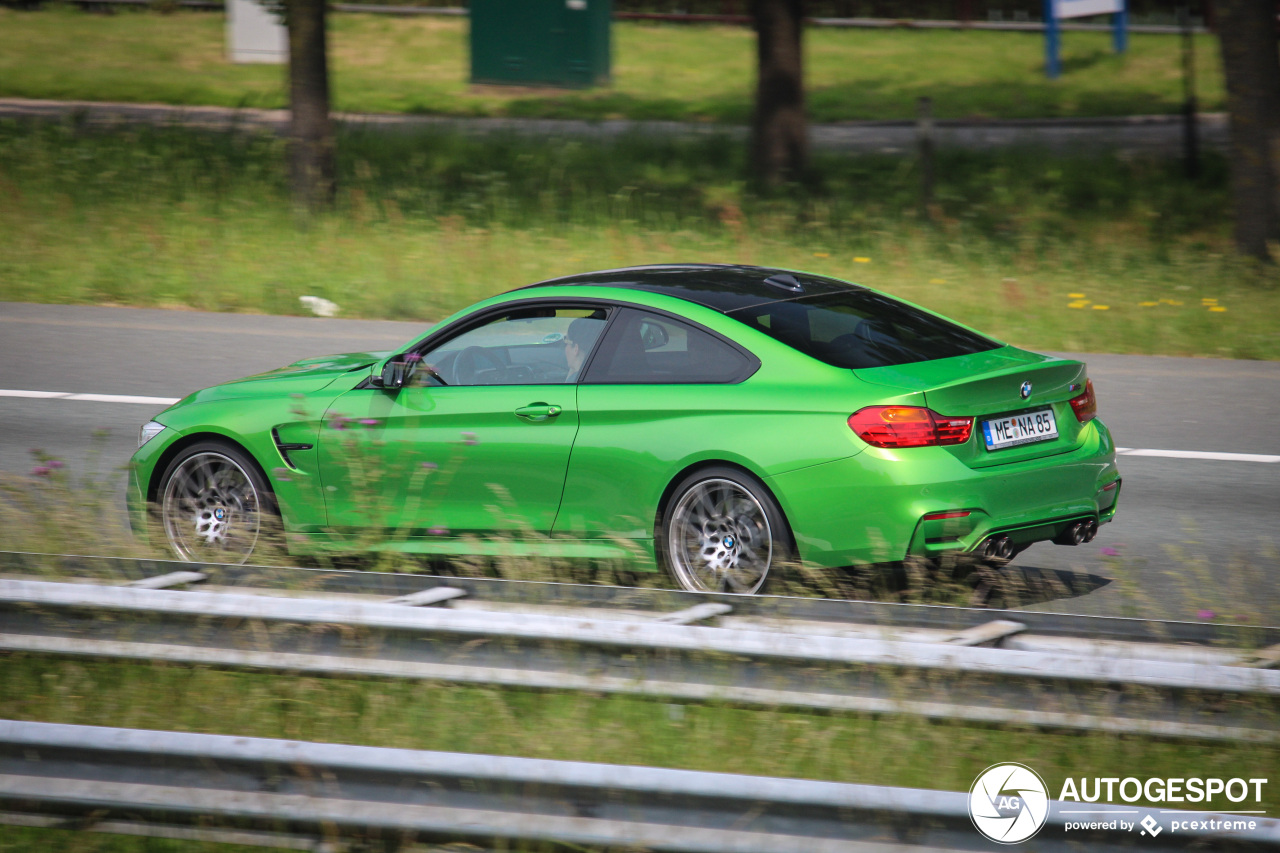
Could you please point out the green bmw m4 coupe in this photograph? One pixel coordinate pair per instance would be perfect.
(711, 421)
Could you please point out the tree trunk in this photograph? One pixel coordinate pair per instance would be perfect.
(779, 131)
(311, 147)
(1251, 64)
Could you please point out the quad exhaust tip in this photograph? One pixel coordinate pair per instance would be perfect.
(1078, 533)
(998, 548)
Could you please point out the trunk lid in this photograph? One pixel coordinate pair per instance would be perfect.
(988, 386)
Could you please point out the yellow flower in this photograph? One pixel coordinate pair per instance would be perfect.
(1171, 301)
(1208, 300)
(1148, 304)
(937, 281)
(1102, 308)
(1075, 296)
(1217, 308)
(822, 254)
(862, 260)
(1077, 304)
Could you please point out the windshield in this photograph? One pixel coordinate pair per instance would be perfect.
(861, 329)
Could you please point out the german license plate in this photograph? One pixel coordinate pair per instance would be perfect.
(1020, 429)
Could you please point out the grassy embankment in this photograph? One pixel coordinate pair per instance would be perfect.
(1089, 253)
(885, 750)
(419, 65)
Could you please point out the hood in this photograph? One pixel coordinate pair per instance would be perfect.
(301, 377)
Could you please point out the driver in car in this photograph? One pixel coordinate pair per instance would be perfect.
(578, 338)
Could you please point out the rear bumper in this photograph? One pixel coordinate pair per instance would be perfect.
(872, 507)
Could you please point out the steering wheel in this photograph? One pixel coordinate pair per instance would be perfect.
(472, 365)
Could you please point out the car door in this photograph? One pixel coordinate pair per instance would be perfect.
(477, 440)
(657, 391)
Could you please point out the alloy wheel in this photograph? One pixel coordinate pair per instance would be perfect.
(211, 509)
(719, 538)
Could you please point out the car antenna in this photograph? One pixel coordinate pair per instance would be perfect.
(785, 281)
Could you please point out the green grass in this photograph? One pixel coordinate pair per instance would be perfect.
(426, 224)
(704, 73)
(873, 749)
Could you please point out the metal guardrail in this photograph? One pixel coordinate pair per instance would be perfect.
(788, 663)
(313, 795)
(1197, 637)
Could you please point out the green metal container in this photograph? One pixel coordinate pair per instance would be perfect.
(563, 43)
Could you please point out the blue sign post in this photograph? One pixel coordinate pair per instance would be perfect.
(1059, 10)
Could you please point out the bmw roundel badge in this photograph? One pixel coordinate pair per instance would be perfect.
(1025, 390)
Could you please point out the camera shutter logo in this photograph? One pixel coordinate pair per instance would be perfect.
(1008, 803)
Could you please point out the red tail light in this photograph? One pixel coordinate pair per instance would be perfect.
(908, 426)
(1086, 405)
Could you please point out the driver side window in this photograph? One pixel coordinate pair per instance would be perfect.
(541, 345)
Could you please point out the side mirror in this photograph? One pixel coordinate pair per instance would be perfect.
(394, 373)
(653, 336)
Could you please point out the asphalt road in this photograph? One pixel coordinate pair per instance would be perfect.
(1192, 535)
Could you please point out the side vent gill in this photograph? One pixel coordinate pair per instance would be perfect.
(285, 448)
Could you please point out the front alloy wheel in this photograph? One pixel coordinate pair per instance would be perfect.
(212, 505)
(722, 532)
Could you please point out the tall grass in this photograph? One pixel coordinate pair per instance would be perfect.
(427, 223)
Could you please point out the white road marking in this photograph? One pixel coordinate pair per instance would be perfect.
(91, 398)
(168, 401)
(1198, 454)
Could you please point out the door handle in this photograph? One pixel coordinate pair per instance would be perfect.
(538, 411)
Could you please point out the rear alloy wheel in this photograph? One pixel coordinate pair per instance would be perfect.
(722, 532)
(214, 505)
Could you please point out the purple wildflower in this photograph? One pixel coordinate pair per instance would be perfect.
(1205, 615)
(1110, 552)
(55, 463)
(40, 471)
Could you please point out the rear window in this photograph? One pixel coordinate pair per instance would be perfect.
(861, 329)
(645, 348)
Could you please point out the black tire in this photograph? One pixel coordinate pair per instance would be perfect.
(214, 505)
(722, 531)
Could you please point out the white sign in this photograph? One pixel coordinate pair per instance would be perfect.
(1084, 8)
(254, 34)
